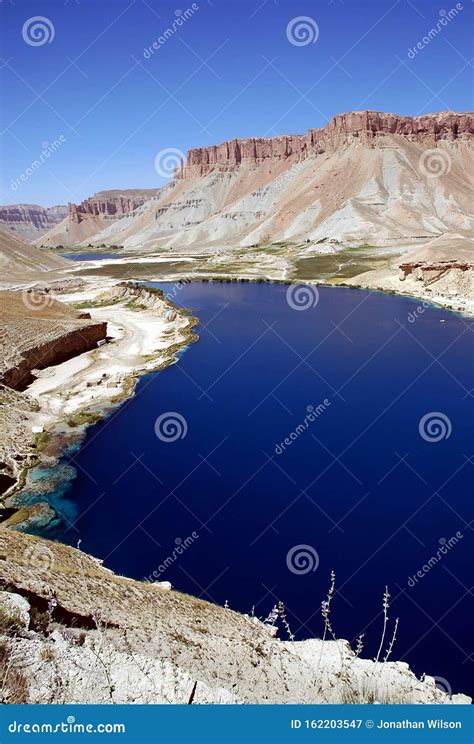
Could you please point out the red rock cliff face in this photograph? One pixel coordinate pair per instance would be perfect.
(109, 204)
(365, 126)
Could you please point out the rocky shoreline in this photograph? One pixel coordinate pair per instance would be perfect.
(60, 405)
(64, 428)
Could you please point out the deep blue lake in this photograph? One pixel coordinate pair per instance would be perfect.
(366, 494)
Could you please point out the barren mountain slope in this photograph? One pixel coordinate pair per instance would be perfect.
(86, 219)
(364, 178)
(30, 221)
(22, 262)
(68, 233)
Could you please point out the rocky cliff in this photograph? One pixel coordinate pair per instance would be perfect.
(30, 221)
(84, 337)
(113, 204)
(365, 178)
(368, 126)
(37, 332)
(83, 221)
(429, 272)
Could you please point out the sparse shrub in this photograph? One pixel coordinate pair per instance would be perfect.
(39, 620)
(47, 653)
(13, 683)
(10, 622)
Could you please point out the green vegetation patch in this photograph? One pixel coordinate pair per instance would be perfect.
(140, 270)
(83, 417)
(344, 264)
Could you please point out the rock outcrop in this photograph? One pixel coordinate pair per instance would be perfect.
(110, 204)
(365, 178)
(368, 126)
(30, 221)
(37, 332)
(428, 272)
(84, 337)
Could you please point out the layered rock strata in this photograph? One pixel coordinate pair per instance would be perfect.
(368, 126)
(30, 221)
(113, 204)
(37, 331)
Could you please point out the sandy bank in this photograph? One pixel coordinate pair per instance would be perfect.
(140, 339)
(144, 332)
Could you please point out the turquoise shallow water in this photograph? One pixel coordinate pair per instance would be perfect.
(214, 500)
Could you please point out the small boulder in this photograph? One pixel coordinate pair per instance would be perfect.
(14, 612)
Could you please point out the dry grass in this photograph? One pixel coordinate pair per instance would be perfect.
(13, 683)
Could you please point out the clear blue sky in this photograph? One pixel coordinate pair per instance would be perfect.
(228, 71)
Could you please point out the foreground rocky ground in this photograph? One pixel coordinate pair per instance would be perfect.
(73, 632)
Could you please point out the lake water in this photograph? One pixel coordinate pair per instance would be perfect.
(358, 489)
(91, 256)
